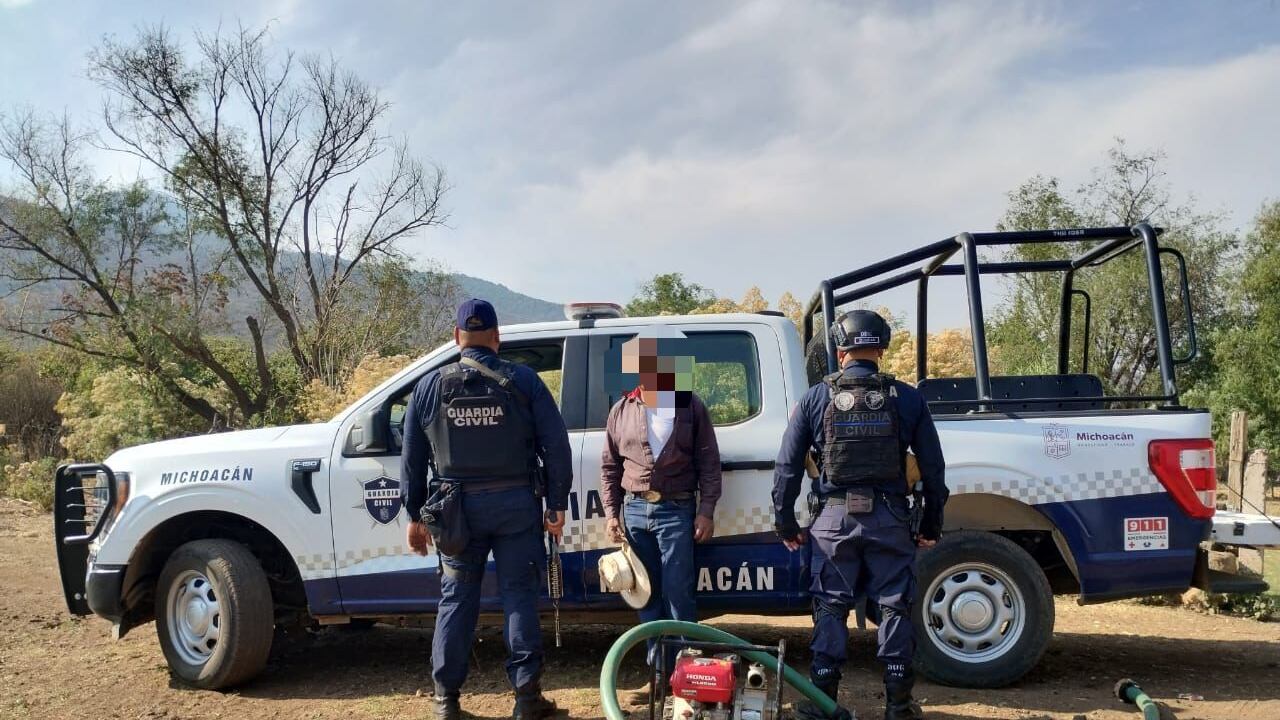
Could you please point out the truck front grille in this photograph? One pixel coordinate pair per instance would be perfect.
(83, 497)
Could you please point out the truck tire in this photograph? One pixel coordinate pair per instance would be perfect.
(983, 611)
(214, 615)
(815, 358)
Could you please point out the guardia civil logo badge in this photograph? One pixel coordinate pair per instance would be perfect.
(382, 499)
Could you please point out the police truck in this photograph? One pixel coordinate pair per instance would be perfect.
(1055, 486)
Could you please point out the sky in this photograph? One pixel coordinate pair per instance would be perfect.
(591, 145)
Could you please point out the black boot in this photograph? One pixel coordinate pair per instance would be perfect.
(830, 689)
(827, 680)
(898, 703)
(531, 705)
(447, 707)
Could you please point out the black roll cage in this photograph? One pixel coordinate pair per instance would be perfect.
(1112, 242)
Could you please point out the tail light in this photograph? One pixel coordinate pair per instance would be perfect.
(1186, 469)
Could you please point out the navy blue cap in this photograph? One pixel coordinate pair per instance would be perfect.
(476, 314)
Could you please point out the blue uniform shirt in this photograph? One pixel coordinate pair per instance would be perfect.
(548, 426)
(916, 431)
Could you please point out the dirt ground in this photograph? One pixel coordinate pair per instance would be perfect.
(53, 665)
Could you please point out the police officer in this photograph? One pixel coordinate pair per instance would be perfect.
(861, 422)
(484, 423)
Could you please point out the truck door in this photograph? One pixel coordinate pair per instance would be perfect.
(377, 573)
(738, 374)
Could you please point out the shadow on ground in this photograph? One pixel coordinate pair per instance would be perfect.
(1075, 677)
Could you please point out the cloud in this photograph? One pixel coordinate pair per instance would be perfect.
(777, 144)
(766, 143)
(11, 4)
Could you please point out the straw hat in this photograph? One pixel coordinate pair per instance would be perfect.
(622, 572)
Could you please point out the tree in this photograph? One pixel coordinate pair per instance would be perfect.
(283, 187)
(1245, 349)
(27, 400)
(1129, 189)
(950, 355)
(119, 407)
(753, 301)
(84, 244)
(668, 294)
(789, 306)
(309, 172)
(319, 402)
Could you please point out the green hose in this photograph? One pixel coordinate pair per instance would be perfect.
(693, 631)
(1128, 691)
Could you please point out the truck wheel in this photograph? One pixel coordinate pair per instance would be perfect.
(815, 358)
(983, 611)
(214, 614)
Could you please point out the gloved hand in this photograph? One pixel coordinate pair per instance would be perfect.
(789, 531)
(931, 525)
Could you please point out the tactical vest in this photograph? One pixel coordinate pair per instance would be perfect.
(860, 426)
(482, 427)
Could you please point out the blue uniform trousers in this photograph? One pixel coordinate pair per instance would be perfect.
(507, 523)
(661, 534)
(854, 557)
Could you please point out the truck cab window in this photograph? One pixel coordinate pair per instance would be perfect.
(545, 357)
(726, 376)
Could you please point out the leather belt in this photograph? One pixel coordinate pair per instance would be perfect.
(657, 496)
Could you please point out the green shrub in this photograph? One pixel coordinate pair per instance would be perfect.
(1259, 606)
(30, 481)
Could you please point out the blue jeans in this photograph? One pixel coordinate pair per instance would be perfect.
(661, 534)
(508, 523)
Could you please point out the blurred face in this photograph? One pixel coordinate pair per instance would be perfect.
(665, 379)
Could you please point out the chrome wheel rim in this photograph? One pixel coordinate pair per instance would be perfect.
(194, 617)
(974, 612)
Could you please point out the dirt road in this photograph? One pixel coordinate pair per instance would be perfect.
(53, 665)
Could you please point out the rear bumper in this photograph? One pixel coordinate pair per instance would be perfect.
(1249, 530)
(103, 591)
(1216, 581)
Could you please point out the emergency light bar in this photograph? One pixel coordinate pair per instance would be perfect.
(592, 310)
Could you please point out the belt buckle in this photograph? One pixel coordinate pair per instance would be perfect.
(651, 496)
(858, 502)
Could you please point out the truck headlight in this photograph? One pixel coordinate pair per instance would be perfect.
(101, 493)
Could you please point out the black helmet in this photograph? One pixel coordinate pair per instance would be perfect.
(859, 329)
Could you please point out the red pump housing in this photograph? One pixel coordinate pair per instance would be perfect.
(703, 679)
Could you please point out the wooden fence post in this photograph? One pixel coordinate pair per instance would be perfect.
(1254, 499)
(1236, 460)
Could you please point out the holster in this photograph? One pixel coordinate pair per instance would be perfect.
(917, 515)
(444, 517)
(539, 483)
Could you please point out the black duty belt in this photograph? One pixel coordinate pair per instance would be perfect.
(839, 498)
(656, 496)
(487, 486)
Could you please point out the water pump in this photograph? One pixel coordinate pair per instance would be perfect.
(722, 687)
(717, 681)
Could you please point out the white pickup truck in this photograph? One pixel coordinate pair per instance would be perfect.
(219, 538)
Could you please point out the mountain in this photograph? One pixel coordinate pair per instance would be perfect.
(513, 307)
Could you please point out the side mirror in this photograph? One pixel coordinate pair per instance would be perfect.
(368, 434)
